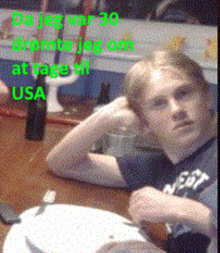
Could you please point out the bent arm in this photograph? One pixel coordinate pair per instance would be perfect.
(71, 157)
(193, 213)
(151, 205)
(96, 169)
(4, 92)
(74, 147)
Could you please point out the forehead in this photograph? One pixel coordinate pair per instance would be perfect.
(166, 81)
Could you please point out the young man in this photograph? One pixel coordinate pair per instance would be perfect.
(167, 96)
(3, 92)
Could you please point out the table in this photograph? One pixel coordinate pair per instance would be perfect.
(25, 177)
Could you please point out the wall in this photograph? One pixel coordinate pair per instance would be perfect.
(110, 66)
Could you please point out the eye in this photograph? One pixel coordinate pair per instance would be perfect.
(183, 94)
(159, 103)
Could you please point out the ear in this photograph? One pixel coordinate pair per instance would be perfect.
(149, 139)
(144, 125)
(145, 129)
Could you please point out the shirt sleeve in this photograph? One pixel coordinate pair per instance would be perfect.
(209, 198)
(142, 170)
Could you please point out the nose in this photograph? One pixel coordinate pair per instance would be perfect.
(177, 111)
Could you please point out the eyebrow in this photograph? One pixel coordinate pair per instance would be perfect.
(151, 100)
(183, 86)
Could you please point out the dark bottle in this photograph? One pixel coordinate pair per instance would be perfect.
(104, 96)
(37, 110)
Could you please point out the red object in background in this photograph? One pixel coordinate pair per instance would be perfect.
(87, 6)
(40, 34)
(7, 23)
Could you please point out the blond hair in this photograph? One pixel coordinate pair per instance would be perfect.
(140, 74)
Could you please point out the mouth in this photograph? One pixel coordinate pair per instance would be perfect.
(183, 124)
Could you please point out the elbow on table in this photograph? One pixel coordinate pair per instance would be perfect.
(52, 165)
(56, 169)
(59, 167)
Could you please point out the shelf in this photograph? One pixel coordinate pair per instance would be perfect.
(146, 37)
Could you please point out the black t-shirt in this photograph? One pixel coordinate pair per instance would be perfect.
(189, 178)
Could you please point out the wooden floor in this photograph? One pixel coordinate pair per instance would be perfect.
(24, 177)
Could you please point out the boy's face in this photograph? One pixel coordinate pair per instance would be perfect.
(177, 110)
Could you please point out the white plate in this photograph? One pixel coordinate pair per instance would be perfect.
(68, 228)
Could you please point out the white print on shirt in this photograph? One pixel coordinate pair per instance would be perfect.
(187, 180)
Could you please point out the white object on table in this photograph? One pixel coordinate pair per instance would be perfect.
(48, 198)
(67, 229)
